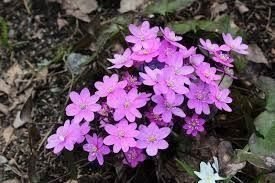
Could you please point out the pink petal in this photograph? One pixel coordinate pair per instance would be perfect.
(91, 157)
(119, 114)
(151, 150)
(111, 129)
(178, 112)
(85, 94)
(75, 98)
(72, 110)
(100, 158)
(162, 144)
(110, 140)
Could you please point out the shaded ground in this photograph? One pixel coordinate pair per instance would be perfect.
(34, 65)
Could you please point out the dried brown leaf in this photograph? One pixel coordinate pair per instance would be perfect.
(241, 7)
(13, 73)
(11, 181)
(4, 87)
(217, 8)
(255, 54)
(126, 5)
(7, 134)
(79, 8)
(4, 109)
(17, 121)
(61, 23)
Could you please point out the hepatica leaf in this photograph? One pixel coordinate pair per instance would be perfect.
(224, 24)
(265, 126)
(164, 6)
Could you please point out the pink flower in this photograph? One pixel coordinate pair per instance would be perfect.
(168, 105)
(141, 34)
(65, 137)
(223, 58)
(121, 135)
(96, 148)
(126, 104)
(166, 50)
(83, 130)
(149, 50)
(199, 98)
(169, 81)
(150, 77)
(155, 118)
(105, 110)
(207, 73)
(235, 44)
(132, 81)
(207, 45)
(220, 98)
(109, 85)
(194, 125)
(133, 157)
(196, 59)
(185, 53)
(170, 36)
(83, 107)
(151, 138)
(122, 60)
(176, 62)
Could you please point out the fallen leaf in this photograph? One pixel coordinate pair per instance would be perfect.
(26, 112)
(4, 109)
(61, 23)
(13, 73)
(255, 54)
(86, 6)
(17, 121)
(241, 7)
(3, 160)
(11, 181)
(78, 8)
(217, 8)
(4, 87)
(126, 5)
(7, 134)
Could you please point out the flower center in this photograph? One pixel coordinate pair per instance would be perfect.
(82, 106)
(94, 149)
(224, 57)
(126, 104)
(194, 122)
(132, 155)
(199, 95)
(152, 138)
(170, 83)
(121, 133)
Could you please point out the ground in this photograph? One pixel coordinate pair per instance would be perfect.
(35, 80)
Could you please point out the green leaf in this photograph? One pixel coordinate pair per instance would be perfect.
(265, 122)
(105, 35)
(186, 167)
(3, 33)
(252, 158)
(224, 24)
(267, 84)
(164, 6)
(265, 125)
(240, 63)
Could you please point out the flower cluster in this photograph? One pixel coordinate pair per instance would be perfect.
(135, 112)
